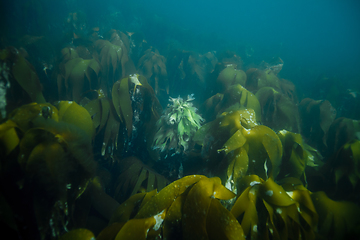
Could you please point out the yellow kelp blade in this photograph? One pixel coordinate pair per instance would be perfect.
(122, 102)
(123, 212)
(24, 115)
(261, 138)
(246, 205)
(275, 194)
(238, 166)
(172, 222)
(33, 138)
(26, 77)
(110, 232)
(235, 141)
(73, 113)
(78, 234)
(166, 196)
(195, 210)
(220, 191)
(84, 70)
(221, 224)
(136, 229)
(8, 136)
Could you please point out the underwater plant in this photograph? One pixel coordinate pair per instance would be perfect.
(153, 66)
(133, 96)
(236, 97)
(49, 149)
(230, 76)
(77, 71)
(341, 131)
(257, 79)
(188, 208)
(266, 211)
(76, 75)
(113, 56)
(127, 117)
(22, 75)
(189, 71)
(235, 145)
(176, 126)
(278, 111)
(133, 176)
(230, 58)
(297, 156)
(316, 119)
(104, 116)
(337, 219)
(346, 164)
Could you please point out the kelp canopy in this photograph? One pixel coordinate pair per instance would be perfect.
(91, 146)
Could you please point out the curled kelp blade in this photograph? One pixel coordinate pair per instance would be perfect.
(165, 197)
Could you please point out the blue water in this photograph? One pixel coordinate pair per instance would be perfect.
(315, 39)
(312, 37)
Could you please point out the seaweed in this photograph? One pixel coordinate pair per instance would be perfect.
(278, 111)
(240, 145)
(134, 176)
(230, 76)
(23, 73)
(152, 65)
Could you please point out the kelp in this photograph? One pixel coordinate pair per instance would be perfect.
(277, 111)
(346, 163)
(230, 58)
(237, 135)
(189, 209)
(52, 147)
(72, 113)
(341, 131)
(125, 91)
(230, 76)
(236, 97)
(134, 176)
(113, 54)
(289, 90)
(133, 105)
(316, 118)
(104, 117)
(78, 234)
(266, 211)
(297, 155)
(152, 65)
(68, 54)
(190, 205)
(189, 71)
(111, 57)
(77, 76)
(23, 73)
(23, 116)
(337, 219)
(257, 79)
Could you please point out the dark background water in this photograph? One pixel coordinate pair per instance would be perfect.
(314, 38)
